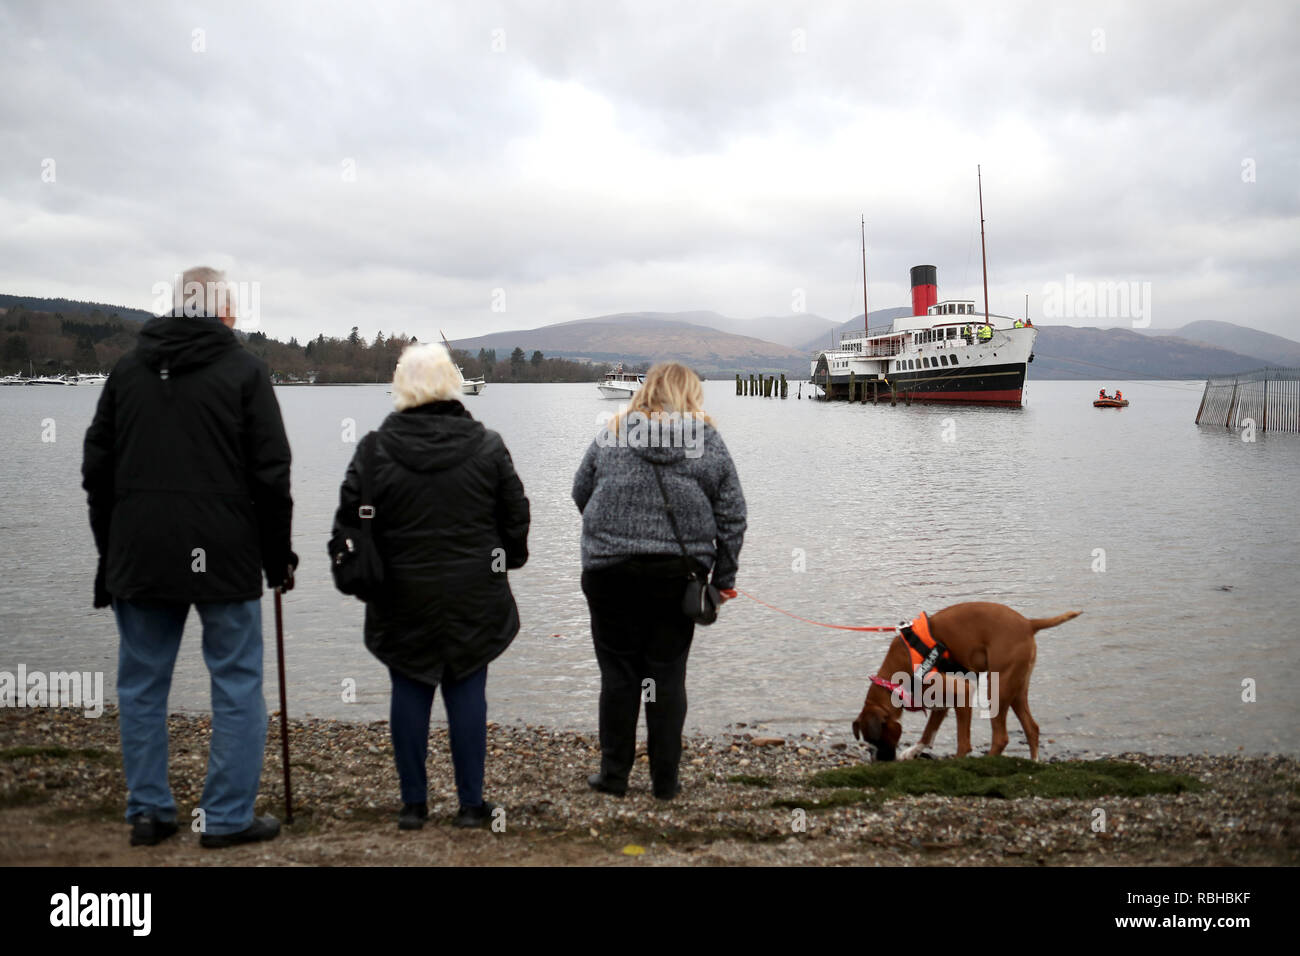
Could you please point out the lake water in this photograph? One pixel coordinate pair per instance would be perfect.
(888, 511)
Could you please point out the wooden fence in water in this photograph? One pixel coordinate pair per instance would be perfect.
(1269, 397)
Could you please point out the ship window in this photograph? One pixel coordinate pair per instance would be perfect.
(952, 332)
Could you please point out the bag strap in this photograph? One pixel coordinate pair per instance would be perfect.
(366, 510)
(672, 520)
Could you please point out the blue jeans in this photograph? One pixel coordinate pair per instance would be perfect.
(232, 648)
(466, 703)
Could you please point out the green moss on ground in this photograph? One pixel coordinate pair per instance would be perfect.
(1008, 778)
(750, 780)
(829, 801)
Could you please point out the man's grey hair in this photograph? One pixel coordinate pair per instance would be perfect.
(204, 291)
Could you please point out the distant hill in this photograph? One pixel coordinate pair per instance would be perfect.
(65, 335)
(1064, 351)
(794, 331)
(72, 308)
(636, 337)
(1269, 349)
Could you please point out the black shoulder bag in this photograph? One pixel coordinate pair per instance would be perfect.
(354, 559)
(701, 601)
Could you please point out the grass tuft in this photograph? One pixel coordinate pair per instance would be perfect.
(750, 780)
(1008, 778)
(829, 801)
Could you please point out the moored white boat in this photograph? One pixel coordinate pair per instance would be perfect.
(468, 386)
(49, 380)
(619, 384)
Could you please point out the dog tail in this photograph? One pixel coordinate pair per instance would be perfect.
(1039, 623)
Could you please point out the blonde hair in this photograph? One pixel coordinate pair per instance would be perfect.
(669, 387)
(424, 373)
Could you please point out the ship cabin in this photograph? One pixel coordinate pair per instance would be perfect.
(953, 307)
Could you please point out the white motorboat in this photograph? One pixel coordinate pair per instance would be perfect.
(620, 384)
(49, 380)
(468, 386)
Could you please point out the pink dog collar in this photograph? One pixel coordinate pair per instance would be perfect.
(898, 689)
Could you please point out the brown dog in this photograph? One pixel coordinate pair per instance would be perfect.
(980, 636)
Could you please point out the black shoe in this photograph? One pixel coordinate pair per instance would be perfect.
(150, 831)
(470, 817)
(598, 782)
(667, 793)
(412, 816)
(262, 828)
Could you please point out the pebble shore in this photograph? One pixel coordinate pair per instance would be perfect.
(62, 797)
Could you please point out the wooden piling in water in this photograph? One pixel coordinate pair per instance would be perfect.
(852, 384)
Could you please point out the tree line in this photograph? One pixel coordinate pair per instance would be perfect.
(51, 343)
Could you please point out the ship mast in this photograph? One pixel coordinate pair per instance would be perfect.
(983, 255)
(866, 320)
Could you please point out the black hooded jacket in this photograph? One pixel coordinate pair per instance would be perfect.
(450, 519)
(186, 468)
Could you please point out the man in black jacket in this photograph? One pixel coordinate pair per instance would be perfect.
(186, 469)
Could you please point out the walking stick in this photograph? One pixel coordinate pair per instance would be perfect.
(284, 708)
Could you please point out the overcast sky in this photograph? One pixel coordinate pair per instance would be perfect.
(482, 166)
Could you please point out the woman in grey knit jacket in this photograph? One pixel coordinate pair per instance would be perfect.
(634, 573)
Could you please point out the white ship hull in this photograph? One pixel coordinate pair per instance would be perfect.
(616, 390)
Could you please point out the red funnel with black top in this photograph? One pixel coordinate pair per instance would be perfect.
(925, 288)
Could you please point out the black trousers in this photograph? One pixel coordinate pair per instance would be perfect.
(642, 640)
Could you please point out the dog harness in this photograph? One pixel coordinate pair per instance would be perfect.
(927, 655)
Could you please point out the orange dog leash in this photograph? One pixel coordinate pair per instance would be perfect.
(838, 627)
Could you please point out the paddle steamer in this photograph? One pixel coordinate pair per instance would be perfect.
(937, 354)
(943, 352)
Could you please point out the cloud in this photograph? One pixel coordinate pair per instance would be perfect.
(391, 167)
